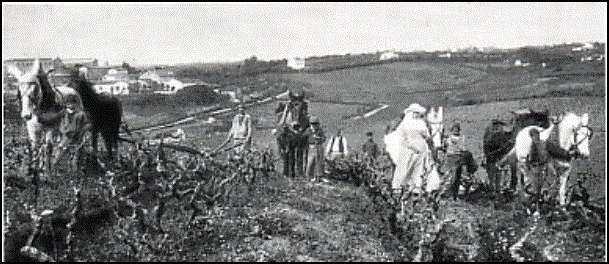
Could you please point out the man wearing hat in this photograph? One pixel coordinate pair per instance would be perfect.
(315, 160)
(370, 148)
(240, 132)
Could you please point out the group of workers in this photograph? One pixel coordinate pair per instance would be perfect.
(336, 147)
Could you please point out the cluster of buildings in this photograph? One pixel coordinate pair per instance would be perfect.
(298, 63)
(108, 79)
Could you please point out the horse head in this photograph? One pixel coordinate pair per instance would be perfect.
(290, 114)
(436, 127)
(30, 88)
(575, 133)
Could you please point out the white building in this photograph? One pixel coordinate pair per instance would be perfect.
(25, 64)
(233, 96)
(445, 55)
(520, 63)
(156, 75)
(296, 63)
(113, 88)
(114, 75)
(586, 46)
(388, 55)
(172, 85)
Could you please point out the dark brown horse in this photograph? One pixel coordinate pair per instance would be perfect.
(499, 139)
(291, 121)
(104, 111)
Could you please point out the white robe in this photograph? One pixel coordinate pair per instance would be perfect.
(411, 155)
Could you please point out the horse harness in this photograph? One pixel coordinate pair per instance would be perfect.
(576, 143)
(60, 104)
(437, 131)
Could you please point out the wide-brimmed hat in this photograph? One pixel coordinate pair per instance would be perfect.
(415, 108)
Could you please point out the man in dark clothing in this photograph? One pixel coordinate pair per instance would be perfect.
(540, 163)
(538, 160)
(370, 148)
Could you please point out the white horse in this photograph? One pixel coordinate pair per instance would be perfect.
(42, 106)
(573, 133)
(435, 117)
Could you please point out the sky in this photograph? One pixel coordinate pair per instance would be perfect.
(156, 33)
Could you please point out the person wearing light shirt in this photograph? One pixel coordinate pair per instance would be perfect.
(337, 146)
(315, 160)
(240, 132)
(458, 156)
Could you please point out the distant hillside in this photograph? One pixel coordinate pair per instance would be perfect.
(453, 83)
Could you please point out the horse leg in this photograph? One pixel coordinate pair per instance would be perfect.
(521, 180)
(94, 136)
(115, 141)
(290, 161)
(107, 136)
(564, 179)
(34, 136)
(48, 151)
(494, 179)
(109, 146)
(285, 159)
(294, 161)
(514, 174)
(300, 160)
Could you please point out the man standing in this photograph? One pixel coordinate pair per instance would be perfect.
(538, 160)
(315, 161)
(240, 132)
(337, 146)
(72, 129)
(370, 148)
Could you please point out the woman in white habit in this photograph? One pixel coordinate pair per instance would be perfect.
(409, 149)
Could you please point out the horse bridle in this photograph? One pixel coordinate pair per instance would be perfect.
(36, 106)
(434, 123)
(576, 143)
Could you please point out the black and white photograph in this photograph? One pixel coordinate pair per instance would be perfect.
(304, 132)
